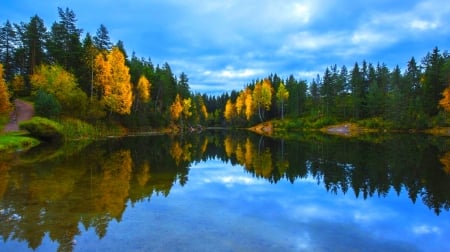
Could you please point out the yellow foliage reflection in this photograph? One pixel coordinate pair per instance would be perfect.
(180, 153)
(111, 191)
(257, 159)
(445, 160)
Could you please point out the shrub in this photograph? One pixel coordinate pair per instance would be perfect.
(44, 129)
(46, 105)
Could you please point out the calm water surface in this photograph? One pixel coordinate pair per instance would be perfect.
(229, 191)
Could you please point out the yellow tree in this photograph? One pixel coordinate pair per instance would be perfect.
(187, 104)
(282, 96)
(240, 103)
(262, 96)
(176, 109)
(445, 101)
(143, 89)
(112, 78)
(5, 104)
(249, 105)
(229, 110)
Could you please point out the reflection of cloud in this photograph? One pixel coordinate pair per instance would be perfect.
(426, 229)
(369, 216)
(231, 180)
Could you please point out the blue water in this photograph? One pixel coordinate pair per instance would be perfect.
(224, 207)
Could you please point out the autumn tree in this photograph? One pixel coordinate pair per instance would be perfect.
(445, 101)
(262, 96)
(282, 96)
(54, 80)
(5, 104)
(176, 108)
(112, 78)
(187, 104)
(249, 104)
(230, 110)
(142, 92)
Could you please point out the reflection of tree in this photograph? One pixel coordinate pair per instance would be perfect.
(93, 187)
(369, 168)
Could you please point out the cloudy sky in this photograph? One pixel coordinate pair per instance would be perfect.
(223, 45)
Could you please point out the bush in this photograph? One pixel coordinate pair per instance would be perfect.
(46, 105)
(44, 129)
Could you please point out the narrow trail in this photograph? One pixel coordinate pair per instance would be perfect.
(23, 111)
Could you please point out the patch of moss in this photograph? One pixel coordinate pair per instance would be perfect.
(43, 129)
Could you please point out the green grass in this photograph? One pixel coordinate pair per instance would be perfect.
(43, 128)
(15, 141)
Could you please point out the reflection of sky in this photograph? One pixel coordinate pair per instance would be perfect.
(225, 208)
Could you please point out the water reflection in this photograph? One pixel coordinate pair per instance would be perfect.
(88, 187)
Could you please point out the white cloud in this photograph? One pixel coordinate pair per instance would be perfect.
(426, 229)
(423, 25)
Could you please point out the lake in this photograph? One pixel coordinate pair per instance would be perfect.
(229, 191)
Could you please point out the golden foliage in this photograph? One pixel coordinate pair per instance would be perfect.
(249, 105)
(228, 144)
(112, 189)
(18, 84)
(112, 78)
(240, 103)
(143, 89)
(5, 105)
(445, 160)
(230, 109)
(187, 104)
(144, 175)
(282, 93)
(176, 108)
(180, 153)
(445, 101)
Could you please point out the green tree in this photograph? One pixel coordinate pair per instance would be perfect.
(102, 40)
(432, 83)
(32, 37)
(7, 49)
(63, 45)
(46, 105)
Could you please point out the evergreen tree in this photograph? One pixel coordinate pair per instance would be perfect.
(64, 46)
(102, 40)
(432, 82)
(7, 49)
(32, 38)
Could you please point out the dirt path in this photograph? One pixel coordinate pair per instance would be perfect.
(23, 111)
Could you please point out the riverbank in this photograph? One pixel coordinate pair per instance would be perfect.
(345, 129)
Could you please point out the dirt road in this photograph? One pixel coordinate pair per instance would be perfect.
(23, 111)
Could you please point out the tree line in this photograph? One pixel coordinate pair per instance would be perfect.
(91, 78)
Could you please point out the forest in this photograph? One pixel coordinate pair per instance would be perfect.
(69, 74)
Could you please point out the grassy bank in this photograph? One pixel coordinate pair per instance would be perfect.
(16, 141)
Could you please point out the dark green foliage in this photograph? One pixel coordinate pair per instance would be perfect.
(44, 129)
(46, 105)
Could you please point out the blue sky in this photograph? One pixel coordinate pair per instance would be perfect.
(223, 45)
